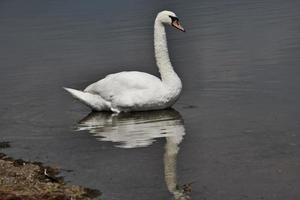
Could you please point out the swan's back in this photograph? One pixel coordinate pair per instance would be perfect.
(121, 82)
(131, 90)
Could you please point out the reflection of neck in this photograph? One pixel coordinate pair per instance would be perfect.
(171, 150)
(170, 158)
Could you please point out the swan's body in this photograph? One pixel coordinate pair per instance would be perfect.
(138, 91)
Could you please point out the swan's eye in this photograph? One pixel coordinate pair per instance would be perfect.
(173, 18)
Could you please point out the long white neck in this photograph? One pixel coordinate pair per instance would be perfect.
(163, 62)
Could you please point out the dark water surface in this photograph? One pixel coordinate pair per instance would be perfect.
(240, 65)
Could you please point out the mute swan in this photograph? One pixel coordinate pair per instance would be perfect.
(138, 91)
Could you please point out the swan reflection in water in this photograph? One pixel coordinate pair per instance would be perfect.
(141, 129)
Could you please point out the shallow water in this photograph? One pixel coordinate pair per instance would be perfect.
(239, 62)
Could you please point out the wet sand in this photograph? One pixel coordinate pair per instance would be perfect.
(22, 180)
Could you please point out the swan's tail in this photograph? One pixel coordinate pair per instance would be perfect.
(96, 102)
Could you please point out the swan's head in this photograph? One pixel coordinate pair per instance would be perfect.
(168, 17)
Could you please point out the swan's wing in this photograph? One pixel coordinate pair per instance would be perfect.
(119, 85)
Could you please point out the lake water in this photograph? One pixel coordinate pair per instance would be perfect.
(234, 133)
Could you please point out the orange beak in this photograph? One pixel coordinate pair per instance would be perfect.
(177, 25)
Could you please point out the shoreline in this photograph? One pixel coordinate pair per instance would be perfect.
(24, 180)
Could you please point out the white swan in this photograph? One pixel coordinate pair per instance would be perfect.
(138, 91)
